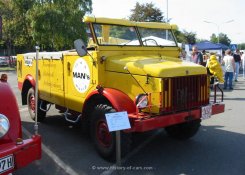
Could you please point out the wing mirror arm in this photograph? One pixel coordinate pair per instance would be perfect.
(82, 49)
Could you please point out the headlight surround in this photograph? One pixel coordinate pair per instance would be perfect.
(141, 101)
(4, 125)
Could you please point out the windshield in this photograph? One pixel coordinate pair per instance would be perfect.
(108, 34)
(115, 34)
(157, 37)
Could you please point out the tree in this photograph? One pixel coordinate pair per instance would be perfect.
(180, 37)
(16, 30)
(54, 24)
(214, 38)
(58, 23)
(23, 36)
(6, 12)
(223, 38)
(241, 46)
(190, 37)
(185, 37)
(146, 13)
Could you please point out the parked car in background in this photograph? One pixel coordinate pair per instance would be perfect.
(12, 61)
(4, 61)
(15, 152)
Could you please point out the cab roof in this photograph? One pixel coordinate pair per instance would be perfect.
(156, 25)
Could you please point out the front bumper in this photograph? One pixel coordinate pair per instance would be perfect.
(23, 154)
(146, 123)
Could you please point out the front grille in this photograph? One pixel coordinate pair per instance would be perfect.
(184, 93)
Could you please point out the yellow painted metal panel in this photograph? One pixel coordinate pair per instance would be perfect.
(129, 23)
(78, 80)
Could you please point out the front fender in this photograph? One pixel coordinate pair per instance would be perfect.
(118, 99)
(25, 86)
(9, 108)
(29, 79)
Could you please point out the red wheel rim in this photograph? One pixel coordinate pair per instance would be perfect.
(103, 135)
(32, 102)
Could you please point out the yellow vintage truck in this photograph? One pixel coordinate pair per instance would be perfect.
(124, 66)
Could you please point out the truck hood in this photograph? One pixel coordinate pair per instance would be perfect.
(153, 65)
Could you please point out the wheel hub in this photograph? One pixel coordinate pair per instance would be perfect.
(32, 102)
(103, 134)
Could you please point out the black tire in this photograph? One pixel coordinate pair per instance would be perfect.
(41, 115)
(105, 141)
(183, 131)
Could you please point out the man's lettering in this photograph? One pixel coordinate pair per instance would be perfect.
(81, 75)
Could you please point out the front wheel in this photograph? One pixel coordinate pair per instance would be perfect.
(183, 131)
(31, 106)
(105, 141)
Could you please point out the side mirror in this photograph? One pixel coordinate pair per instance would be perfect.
(80, 47)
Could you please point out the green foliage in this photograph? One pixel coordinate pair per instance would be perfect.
(185, 37)
(146, 12)
(223, 38)
(214, 38)
(241, 46)
(190, 37)
(179, 36)
(58, 23)
(53, 24)
(122, 32)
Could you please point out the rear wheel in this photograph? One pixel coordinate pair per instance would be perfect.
(183, 131)
(31, 106)
(105, 141)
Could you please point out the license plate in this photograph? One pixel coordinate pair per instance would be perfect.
(6, 163)
(206, 112)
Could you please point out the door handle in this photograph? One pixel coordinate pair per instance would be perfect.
(69, 68)
(39, 74)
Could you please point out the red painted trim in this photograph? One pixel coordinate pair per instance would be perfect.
(146, 123)
(9, 108)
(119, 100)
(218, 108)
(20, 85)
(91, 94)
(28, 78)
(31, 80)
(25, 153)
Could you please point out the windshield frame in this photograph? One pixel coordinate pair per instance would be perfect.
(137, 34)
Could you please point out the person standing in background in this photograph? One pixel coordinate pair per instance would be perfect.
(214, 68)
(196, 56)
(237, 59)
(229, 63)
(243, 64)
(205, 58)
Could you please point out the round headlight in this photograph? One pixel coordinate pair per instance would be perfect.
(142, 101)
(4, 125)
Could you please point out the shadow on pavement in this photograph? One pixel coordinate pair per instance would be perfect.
(209, 152)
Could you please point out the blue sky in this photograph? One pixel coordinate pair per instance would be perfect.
(187, 14)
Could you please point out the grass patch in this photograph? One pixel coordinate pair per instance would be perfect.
(7, 69)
